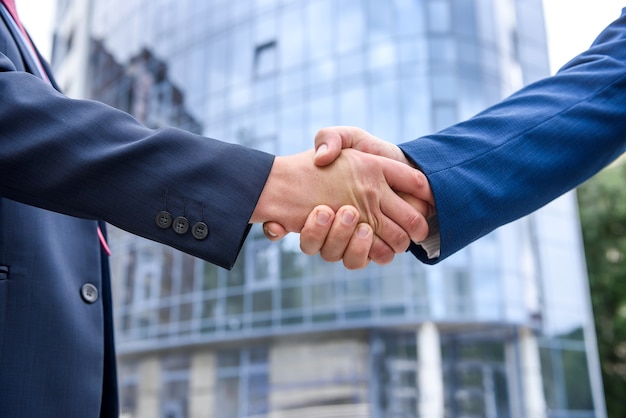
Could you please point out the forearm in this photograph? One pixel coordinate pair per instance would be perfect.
(88, 160)
(527, 150)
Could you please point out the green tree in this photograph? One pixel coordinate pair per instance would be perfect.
(602, 202)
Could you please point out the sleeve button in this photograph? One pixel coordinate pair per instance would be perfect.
(180, 225)
(200, 230)
(164, 219)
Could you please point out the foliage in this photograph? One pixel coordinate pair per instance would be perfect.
(602, 202)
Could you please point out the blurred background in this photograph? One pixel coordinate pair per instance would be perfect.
(505, 328)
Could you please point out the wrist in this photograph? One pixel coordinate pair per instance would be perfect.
(284, 198)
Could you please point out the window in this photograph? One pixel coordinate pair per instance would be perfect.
(444, 115)
(265, 59)
(291, 37)
(319, 14)
(352, 28)
(262, 258)
(409, 17)
(128, 382)
(381, 19)
(209, 277)
(240, 57)
(458, 292)
(474, 374)
(396, 364)
(439, 19)
(565, 375)
(217, 67)
(175, 386)
(293, 263)
(242, 382)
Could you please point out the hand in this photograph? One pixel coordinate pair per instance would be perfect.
(346, 238)
(366, 182)
(330, 240)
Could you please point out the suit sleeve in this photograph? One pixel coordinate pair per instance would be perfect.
(520, 154)
(86, 159)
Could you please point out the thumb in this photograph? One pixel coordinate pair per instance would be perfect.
(330, 141)
(274, 231)
(325, 154)
(328, 144)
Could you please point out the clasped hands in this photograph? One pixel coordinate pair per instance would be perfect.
(374, 201)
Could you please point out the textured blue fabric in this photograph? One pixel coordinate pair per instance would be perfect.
(525, 151)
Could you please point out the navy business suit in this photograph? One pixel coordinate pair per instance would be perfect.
(525, 151)
(64, 164)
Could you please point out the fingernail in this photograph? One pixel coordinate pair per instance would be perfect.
(362, 231)
(322, 218)
(347, 217)
(270, 233)
(321, 150)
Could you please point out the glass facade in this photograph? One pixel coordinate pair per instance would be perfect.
(284, 333)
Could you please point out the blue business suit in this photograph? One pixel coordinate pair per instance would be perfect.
(518, 155)
(64, 164)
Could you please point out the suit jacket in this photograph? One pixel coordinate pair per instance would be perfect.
(64, 164)
(525, 151)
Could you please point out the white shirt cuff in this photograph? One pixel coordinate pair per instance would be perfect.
(432, 243)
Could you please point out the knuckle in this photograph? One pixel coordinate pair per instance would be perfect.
(307, 251)
(322, 134)
(420, 179)
(356, 264)
(419, 228)
(330, 256)
(400, 241)
(415, 222)
(323, 131)
(381, 254)
(309, 248)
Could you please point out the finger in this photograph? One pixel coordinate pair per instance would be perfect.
(390, 231)
(356, 255)
(404, 178)
(417, 218)
(316, 228)
(274, 231)
(341, 232)
(420, 205)
(398, 213)
(380, 252)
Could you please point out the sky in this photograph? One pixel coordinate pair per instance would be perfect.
(571, 25)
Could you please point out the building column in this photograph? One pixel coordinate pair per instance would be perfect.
(532, 382)
(430, 373)
(202, 385)
(149, 390)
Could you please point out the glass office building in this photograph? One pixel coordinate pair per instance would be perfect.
(503, 329)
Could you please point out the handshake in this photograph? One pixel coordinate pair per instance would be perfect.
(356, 198)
